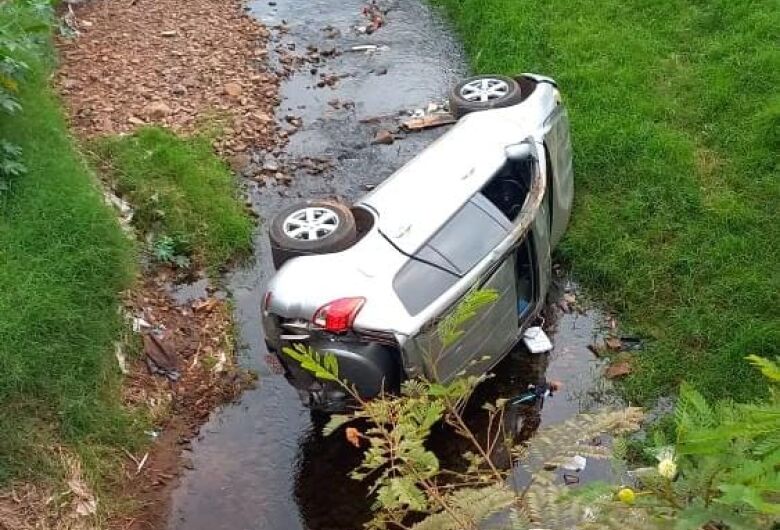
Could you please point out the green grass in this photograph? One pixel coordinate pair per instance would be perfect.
(63, 262)
(181, 189)
(676, 126)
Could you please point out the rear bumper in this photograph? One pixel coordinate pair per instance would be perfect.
(370, 368)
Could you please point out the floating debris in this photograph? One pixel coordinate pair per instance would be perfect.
(429, 121)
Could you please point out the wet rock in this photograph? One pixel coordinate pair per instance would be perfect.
(271, 166)
(293, 120)
(383, 137)
(331, 32)
(283, 178)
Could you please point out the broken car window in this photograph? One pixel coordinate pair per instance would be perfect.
(508, 188)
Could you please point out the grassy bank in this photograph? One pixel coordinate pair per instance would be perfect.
(676, 119)
(63, 263)
(180, 190)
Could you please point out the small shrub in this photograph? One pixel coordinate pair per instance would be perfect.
(21, 23)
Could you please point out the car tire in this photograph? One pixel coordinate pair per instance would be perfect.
(497, 91)
(311, 227)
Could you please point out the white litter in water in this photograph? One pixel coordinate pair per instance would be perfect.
(536, 340)
(575, 463)
(364, 48)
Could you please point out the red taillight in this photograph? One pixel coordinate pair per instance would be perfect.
(337, 316)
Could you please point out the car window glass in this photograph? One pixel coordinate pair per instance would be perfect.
(468, 236)
(419, 283)
(455, 249)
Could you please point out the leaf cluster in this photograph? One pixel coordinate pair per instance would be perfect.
(22, 22)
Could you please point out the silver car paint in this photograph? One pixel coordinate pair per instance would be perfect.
(413, 203)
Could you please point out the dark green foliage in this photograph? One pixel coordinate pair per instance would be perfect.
(21, 24)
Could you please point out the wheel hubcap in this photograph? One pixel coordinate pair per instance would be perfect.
(311, 223)
(484, 89)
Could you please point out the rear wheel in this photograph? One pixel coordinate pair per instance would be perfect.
(484, 92)
(311, 227)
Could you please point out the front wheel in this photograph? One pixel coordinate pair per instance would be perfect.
(484, 92)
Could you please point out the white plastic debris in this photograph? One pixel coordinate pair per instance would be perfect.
(575, 463)
(536, 340)
(220, 365)
(139, 324)
(364, 48)
(120, 357)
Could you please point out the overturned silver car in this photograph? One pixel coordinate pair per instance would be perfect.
(482, 207)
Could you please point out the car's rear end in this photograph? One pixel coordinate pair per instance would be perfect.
(341, 304)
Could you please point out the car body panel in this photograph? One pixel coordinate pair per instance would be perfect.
(460, 162)
(558, 144)
(413, 208)
(490, 332)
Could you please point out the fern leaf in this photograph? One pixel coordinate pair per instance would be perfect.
(770, 369)
(470, 506)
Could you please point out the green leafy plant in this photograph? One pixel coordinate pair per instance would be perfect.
(172, 251)
(723, 468)
(21, 23)
(407, 478)
(720, 472)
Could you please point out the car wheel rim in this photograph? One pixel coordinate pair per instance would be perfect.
(311, 224)
(484, 89)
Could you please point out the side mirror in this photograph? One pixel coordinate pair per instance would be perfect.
(520, 152)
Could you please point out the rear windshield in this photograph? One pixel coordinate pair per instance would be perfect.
(452, 252)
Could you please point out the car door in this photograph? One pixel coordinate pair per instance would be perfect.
(460, 245)
(482, 339)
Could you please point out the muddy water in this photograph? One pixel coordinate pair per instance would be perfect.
(261, 463)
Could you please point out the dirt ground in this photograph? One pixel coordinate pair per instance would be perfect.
(126, 63)
(182, 64)
(194, 346)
